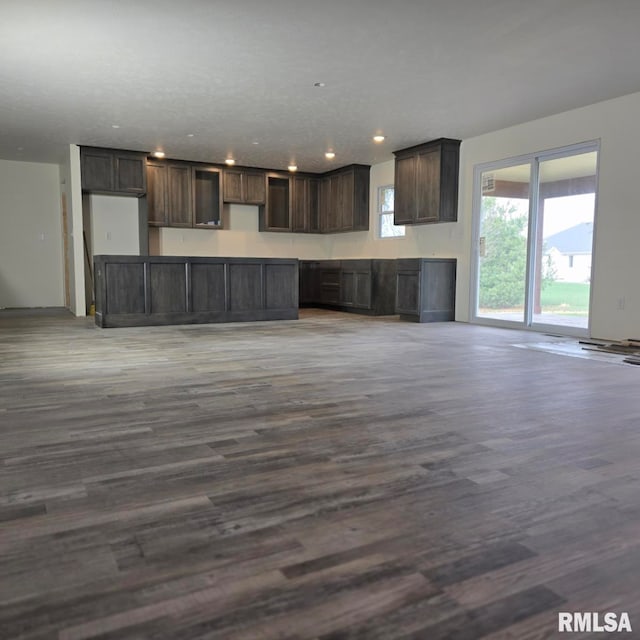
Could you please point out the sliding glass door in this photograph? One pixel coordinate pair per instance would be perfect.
(502, 245)
(534, 239)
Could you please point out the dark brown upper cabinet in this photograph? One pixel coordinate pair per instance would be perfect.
(426, 182)
(243, 186)
(113, 171)
(157, 194)
(304, 205)
(207, 197)
(344, 200)
(275, 215)
(179, 196)
(182, 194)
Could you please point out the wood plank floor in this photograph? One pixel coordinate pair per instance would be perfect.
(328, 478)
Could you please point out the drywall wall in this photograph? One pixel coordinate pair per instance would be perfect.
(615, 310)
(31, 262)
(240, 238)
(114, 225)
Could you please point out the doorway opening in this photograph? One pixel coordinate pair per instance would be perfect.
(534, 240)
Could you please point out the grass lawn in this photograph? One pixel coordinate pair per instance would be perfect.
(565, 297)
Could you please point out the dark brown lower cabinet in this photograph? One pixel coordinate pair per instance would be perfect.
(418, 289)
(426, 289)
(360, 286)
(133, 291)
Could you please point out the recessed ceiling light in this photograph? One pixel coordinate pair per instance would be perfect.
(230, 161)
(255, 142)
(378, 138)
(293, 167)
(329, 155)
(115, 126)
(190, 135)
(158, 154)
(319, 84)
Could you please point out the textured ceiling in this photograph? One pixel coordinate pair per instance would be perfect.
(239, 72)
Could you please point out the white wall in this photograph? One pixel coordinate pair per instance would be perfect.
(239, 238)
(114, 225)
(616, 257)
(31, 261)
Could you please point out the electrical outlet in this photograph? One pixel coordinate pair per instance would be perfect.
(108, 235)
(621, 303)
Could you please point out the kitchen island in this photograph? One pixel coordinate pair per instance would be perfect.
(135, 291)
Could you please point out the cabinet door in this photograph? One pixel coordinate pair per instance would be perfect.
(313, 196)
(299, 204)
(334, 212)
(179, 205)
(428, 186)
(408, 291)
(324, 203)
(362, 297)
(254, 187)
(97, 170)
(130, 176)
(232, 188)
(346, 201)
(361, 200)
(347, 288)
(157, 194)
(405, 190)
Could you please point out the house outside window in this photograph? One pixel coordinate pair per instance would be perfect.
(385, 210)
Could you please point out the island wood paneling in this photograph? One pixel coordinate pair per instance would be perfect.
(142, 291)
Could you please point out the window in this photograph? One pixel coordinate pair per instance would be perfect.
(385, 209)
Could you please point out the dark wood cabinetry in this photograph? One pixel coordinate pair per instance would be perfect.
(331, 203)
(190, 194)
(207, 197)
(169, 200)
(157, 194)
(304, 205)
(179, 196)
(275, 215)
(140, 291)
(344, 200)
(426, 183)
(426, 289)
(243, 186)
(113, 171)
(362, 286)
(182, 194)
(309, 282)
(418, 289)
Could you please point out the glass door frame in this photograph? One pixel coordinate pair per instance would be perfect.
(534, 160)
